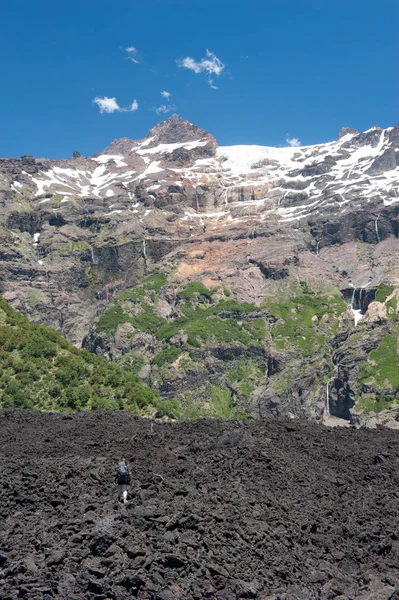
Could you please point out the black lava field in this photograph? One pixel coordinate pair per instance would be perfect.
(217, 509)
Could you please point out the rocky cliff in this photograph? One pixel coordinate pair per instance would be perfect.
(240, 279)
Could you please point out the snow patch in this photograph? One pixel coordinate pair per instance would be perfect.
(168, 148)
(117, 158)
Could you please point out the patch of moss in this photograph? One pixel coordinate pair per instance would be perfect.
(382, 366)
(244, 376)
(153, 283)
(111, 319)
(383, 291)
(133, 361)
(166, 356)
(196, 289)
(296, 324)
(204, 324)
(148, 321)
(33, 297)
(192, 405)
(376, 403)
(26, 192)
(221, 402)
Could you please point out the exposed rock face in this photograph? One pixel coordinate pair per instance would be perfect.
(275, 227)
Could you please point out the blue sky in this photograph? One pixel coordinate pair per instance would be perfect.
(296, 68)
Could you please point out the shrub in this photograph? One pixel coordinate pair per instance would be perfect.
(167, 355)
(383, 291)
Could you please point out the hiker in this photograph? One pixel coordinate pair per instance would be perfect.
(122, 479)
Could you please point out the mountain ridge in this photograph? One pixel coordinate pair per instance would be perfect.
(306, 236)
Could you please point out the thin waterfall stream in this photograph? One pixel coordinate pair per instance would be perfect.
(94, 260)
(357, 313)
(327, 400)
(376, 229)
(145, 255)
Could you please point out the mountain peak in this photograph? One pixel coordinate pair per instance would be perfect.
(345, 130)
(175, 130)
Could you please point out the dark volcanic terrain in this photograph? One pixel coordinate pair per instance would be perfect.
(219, 510)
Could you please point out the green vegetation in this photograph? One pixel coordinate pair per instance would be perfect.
(111, 319)
(221, 402)
(201, 319)
(205, 318)
(380, 373)
(383, 291)
(196, 289)
(134, 361)
(168, 408)
(382, 367)
(299, 321)
(392, 307)
(245, 375)
(40, 369)
(376, 403)
(166, 356)
(154, 283)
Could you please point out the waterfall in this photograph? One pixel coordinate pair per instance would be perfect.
(327, 400)
(145, 256)
(376, 229)
(317, 248)
(357, 313)
(353, 298)
(94, 260)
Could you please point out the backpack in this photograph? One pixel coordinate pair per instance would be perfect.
(123, 474)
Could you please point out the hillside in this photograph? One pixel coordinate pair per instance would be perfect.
(219, 509)
(42, 370)
(234, 280)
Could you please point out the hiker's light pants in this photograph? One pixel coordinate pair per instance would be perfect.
(122, 492)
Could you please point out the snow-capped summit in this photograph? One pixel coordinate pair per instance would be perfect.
(282, 184)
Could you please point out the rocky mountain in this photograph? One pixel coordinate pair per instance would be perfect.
(241, 279)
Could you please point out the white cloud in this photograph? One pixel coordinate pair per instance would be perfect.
(134, 106)
(166, 94)
(164, 109)
(107, 105)
(132, 52)
(110, 105)
(294, 142)
(211, 65)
